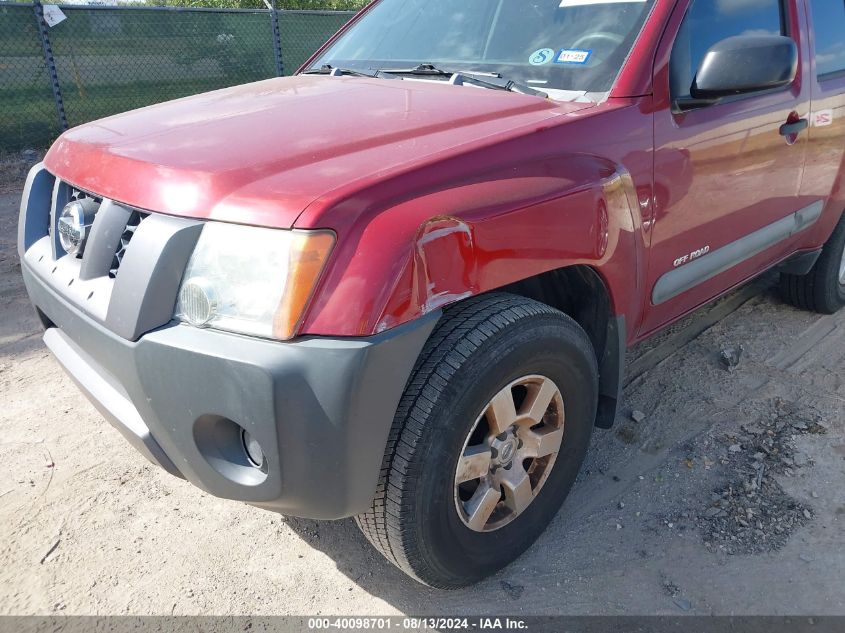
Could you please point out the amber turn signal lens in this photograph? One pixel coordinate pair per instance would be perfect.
(308, 255)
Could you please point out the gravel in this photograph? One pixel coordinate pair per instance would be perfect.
(638, 416)
(749, 512)
(14, 168)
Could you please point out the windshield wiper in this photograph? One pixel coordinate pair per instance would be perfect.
(458, 77)
(328, 69)
(431, 69)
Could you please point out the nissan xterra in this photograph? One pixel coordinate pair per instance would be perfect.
(399, 285)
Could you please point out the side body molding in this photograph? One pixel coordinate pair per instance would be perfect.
(678, 281)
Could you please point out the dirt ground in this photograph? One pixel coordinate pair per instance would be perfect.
(725, 496)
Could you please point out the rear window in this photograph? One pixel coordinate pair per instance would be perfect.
(829, 26)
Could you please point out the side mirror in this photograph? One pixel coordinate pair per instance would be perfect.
(745, 63)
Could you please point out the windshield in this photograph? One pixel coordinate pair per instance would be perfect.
(573, 45)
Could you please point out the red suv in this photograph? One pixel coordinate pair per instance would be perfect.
(399, 285)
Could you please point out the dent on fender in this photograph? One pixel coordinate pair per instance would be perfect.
(452, 258)
(620, 201)
(444, 265)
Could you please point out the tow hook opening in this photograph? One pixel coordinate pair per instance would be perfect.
(253, 449)
(231, 450)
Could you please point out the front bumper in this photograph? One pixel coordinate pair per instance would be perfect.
(320, 408)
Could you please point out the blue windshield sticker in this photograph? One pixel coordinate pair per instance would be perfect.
(542, 56)
(572, 56)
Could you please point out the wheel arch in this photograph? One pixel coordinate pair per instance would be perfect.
(582, 293)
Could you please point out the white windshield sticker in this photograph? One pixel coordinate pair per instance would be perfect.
(542, 56)
(581, 3)
(572, 56)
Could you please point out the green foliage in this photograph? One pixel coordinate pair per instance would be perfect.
(313, 5)
(113, 60)
(332, 5)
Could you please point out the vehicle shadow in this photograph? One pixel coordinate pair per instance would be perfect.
(539, 568)
(549, 579)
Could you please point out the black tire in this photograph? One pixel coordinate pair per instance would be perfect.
(480, 346)
(821, 290)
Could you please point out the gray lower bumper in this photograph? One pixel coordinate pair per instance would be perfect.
(320, 408)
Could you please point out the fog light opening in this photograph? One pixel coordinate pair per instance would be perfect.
(253, 449)
(230, 450)
(198, 301)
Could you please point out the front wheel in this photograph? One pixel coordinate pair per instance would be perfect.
(487, 440)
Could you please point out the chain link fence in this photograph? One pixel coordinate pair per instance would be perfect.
(101, 60)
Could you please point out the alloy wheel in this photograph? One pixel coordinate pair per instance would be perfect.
(509, 453)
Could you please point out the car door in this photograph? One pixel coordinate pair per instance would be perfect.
(724, 172)
(823, 175)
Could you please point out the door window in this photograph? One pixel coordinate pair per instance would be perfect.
(710, 21)
(829, 27)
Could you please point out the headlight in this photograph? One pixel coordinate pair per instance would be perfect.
(252, 280)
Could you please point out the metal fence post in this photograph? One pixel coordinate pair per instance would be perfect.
(50, 62)
(277, 39)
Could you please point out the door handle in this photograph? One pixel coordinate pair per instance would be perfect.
(794, 128)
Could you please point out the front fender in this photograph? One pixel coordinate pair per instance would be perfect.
(481, 234)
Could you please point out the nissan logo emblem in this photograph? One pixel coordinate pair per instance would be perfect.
(73, 227)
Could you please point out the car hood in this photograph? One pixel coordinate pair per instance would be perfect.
(261, 153)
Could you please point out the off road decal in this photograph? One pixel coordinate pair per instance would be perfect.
(683, 259)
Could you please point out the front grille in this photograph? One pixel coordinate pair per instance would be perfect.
(78, 194)
(133, 223)
(93, 285)
(67, 193)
